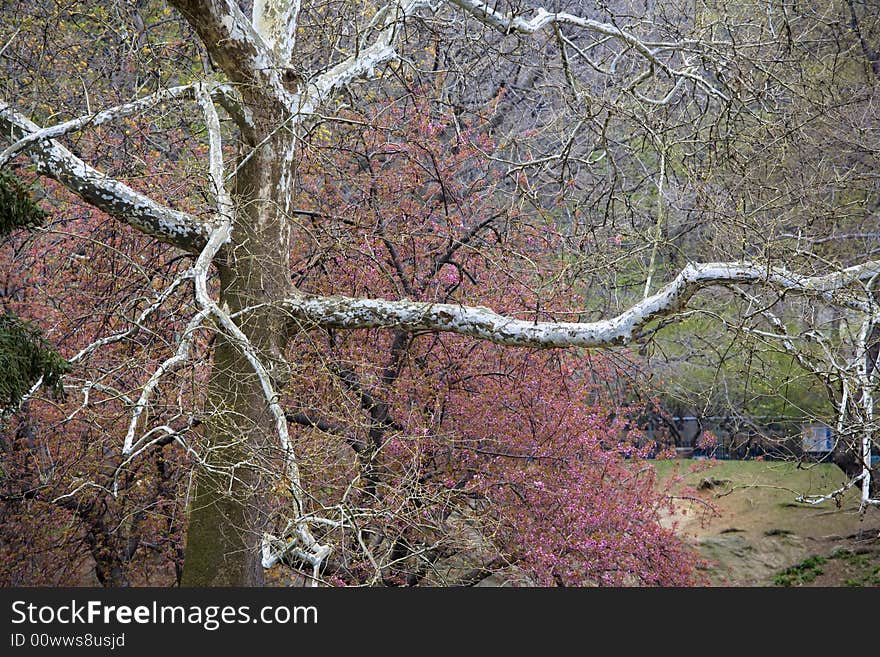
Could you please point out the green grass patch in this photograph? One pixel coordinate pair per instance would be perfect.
(804, 572)
(867, 573)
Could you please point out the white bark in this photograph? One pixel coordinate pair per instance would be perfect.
(818, 499)
(93, 120)
(302, 543)
(106, 194)
(242, 53)
(111, 339)
(485, 324)
(275, 21)
(258, 53)
(254, 54)
(362, 64)
(543, 18)
(863, 371)
(867, 377)
(658, 228)
(782, 335)
(180, 358)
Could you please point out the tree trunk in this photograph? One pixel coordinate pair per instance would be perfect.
(227, 516)
(847, 454)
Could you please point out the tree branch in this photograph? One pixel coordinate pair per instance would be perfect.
(313, 422)
(307, 548)
(275, 21)
(364, 62)
(507, 25)
(93, 120)
(238, 49)
(106, 194)
(485, 324)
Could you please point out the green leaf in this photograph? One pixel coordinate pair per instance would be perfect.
(17, 208)
(25, 356)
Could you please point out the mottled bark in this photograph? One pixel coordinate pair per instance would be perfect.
(227, 511)
(109, 195)
(485, 324)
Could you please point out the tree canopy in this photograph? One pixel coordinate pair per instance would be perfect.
(360, 293)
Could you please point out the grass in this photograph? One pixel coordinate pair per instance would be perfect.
(761, 496)
(853, 570)
(866, 571)
(779, 478)
(871, 578)
(806, 571)
(757, 534)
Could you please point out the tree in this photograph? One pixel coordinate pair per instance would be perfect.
(25, 355)
(684, 88)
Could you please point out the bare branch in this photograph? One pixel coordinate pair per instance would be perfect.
(306, 547)
(818, 499)
(105, 193)
(365, 62)
(180, 358)
(238, 49)
(485, 324)
(485, 14)
(93, 120)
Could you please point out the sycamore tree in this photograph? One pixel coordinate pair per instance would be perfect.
(390, 207)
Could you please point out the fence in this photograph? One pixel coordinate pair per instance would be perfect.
(775, 439)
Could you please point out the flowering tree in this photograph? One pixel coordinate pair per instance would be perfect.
(260, 258)
(456, 432)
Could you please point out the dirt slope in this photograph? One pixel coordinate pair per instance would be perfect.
(743, 519)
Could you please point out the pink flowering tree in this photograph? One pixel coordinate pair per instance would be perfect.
(529, 465)
(274, 289)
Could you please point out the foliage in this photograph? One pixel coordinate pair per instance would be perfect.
(863, 568)
(456, 418)
(577, 500)
(84, 278)
(25, 357)
(537, 176)
(17, 208)
(538, 455)
(802, 573)
(701, 363)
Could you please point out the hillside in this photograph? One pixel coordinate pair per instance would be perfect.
(745, 522)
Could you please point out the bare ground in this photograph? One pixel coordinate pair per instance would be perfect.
(744, 521)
